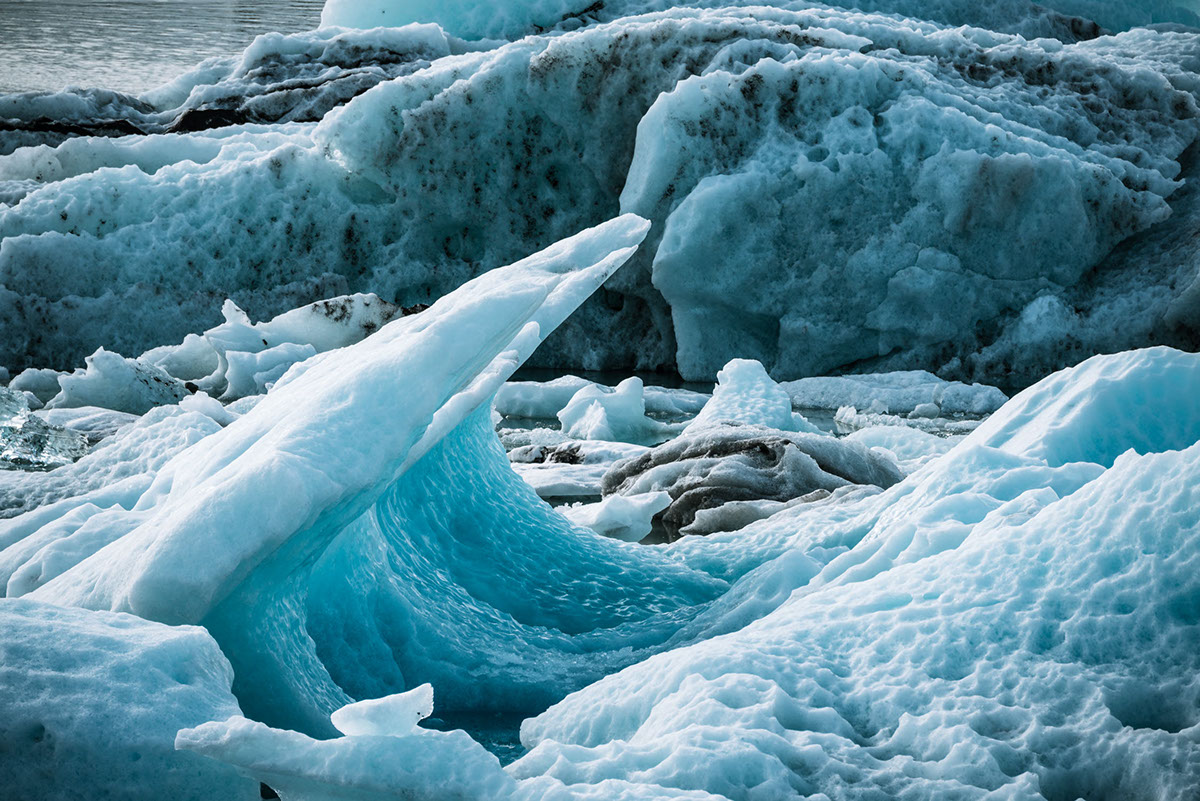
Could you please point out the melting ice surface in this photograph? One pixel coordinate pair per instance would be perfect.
(1014, 619)
(296, 552)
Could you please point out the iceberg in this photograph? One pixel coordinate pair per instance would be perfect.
(696, 118)
(278, 576)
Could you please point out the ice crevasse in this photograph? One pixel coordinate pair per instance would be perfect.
(1016, 619)
(849, 138)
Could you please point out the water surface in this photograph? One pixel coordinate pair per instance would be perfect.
(131, 45)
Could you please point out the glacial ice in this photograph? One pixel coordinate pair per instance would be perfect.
(275, 574)
(615, 415)
(895, 393)
(28, 442)
(969, 142)
(936, 605)
(91, 703)
(625, 517)
(746, 395)
(717, 464)
(1012, 619)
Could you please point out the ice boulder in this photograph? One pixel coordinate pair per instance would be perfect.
(896, 393)
(625, 517)
(112, 381)
(746, 395)
(616, 415)
(90, 703)
(714, 465)
(29, 443)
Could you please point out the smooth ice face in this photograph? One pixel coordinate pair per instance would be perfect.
(390, 716)
(90, 703)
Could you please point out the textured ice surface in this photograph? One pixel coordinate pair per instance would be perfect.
(268, 530)
(404, 761)
(713, 465)
(90, 703)
(615, 415)
(29, 443)
(1007, 622)
(625, 517)
(746, 395)
(279, 78)
(1065, 19)
(896, 393)
(969, 141)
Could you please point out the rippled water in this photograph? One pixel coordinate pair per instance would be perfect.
(130, 45)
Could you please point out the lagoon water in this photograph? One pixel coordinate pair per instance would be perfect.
(130, 45)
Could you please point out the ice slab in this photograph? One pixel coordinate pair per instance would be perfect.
(90, 703)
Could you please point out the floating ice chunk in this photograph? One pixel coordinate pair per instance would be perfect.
(623, 517)
(393, 716)
(420, 764)
(850, 419)
(253, 373)
(616, 415)
(463, 18)
(713, 465)
(112, 381)
(538, 399)
(910, 447)
(569, 468)
(42, 383)
(138, 449)
(93, 422)
(546, 399)
(895, 393)
(90, 703)
(27, 442)
(745, 394)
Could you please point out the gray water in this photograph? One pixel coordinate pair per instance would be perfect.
(131, 45)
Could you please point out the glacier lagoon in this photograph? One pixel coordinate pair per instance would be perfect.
(892, 494)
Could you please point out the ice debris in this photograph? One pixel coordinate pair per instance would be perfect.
(615, 415)
(29, 443)
(714, 465)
